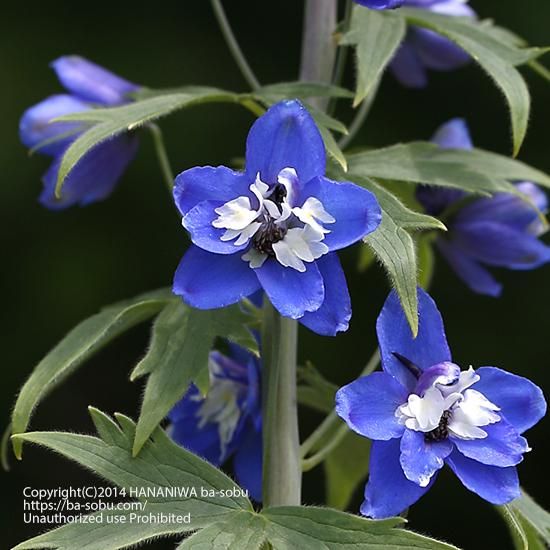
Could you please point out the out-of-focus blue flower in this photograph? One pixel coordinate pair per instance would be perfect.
(96, 174)
(423, 412)
(227, 422)
(499, 231)
(423, 49)
(276, 226)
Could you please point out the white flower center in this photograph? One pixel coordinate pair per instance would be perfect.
(449, 409)
(220, 406)
(291, 234)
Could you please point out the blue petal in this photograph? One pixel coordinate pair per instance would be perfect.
(388, 492)
(454, 134)
(521, 402)
(394, 336)
(497, 485)
(185, 431)
(436, 51)
(368, 406)
(355, 209)
(334, 315)
(92, 82)
(499, 245)
(292, 293)
(248, 463)
(229, 368)
(502, 447)
(421, 459)
(208, 183)
(454, 8)
(35, 125)
(407, 67)
(436, 199)
(380, 4)
(208, 281)
(94, 176)
(469, 270)
(285, 137)
(509, 210)
(198, 221)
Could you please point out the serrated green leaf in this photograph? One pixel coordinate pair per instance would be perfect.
(80, 344)
(181, 342)
(394, 246)
(475, 171)
(376, 36)
(112, 121)
(497, 57)
(346, 467)
(311, 528)
(301, 90)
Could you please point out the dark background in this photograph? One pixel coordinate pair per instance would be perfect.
(59, 268)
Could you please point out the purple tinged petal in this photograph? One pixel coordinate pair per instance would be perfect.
(469, 270)
(92, 82)
(248, 463)
(394, 336)
(499, 245)
(407, 67)
(368, 406)
(454, 134)
(443, 373)
(497, 485)
(388, 492)
(334, 314)
(198, 221)
(208, 281)
(95, 175)
(437, 52)
(421, 459)
(286, 136)
(35, 125)
(521, 402)
(356, 210)
(292, 293)
(380, 4)
(502, 447)
(456, 8)
(208, 183)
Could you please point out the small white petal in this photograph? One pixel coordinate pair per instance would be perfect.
(289, 179)
(235, 214)
(247, 233)
(466, 379)
(287, 257)
(229, 235)
(255, 258)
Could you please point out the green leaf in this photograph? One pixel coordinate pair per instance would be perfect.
(394, 245)
(345, 468)
(310, 528)
(112, 121)
(498, 58)
(475, 171)
(528, 522)
(302, 90)
(332, 147)
(376, 36)
(80, 344)
(180, 345)
(161, 464)
(314, 390)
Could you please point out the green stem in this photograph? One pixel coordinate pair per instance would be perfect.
(282, 475)
(360, 117)
(330, 425)
(162, 155)
(5, 449)
(233, 45)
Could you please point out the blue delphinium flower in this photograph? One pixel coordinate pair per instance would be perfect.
(276, 226)
(423, 412)
(499, 231)
(424, 49)
(227, 422)
(96, 174)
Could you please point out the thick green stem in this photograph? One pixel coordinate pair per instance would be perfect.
(233, 45)
(282, 473)
(318, 46)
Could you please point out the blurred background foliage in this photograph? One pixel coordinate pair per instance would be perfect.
(59, 268)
